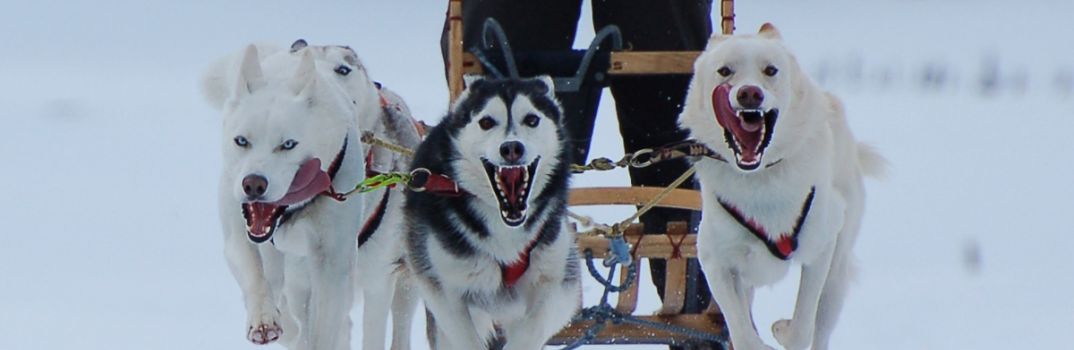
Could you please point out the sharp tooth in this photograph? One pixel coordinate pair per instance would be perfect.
(503, 212)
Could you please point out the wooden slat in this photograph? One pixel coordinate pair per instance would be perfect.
(631, 334)
(678, 199)
(727, 16)
(674, 286)
(653, 62)
(470, 64)
(628, 299)
(649, 246)
(455, 49)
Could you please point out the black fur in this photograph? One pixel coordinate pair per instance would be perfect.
(438, 215)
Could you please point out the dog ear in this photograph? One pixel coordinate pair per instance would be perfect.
(470, 79)
(769, 31)
(250, 76)
(549, 85)
(298, 45)
(305, 77)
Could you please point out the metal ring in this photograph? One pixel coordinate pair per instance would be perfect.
(634, 160)
(413, 175)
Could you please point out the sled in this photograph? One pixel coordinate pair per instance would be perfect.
(580, 75)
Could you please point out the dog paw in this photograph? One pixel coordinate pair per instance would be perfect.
(264, 333)
(784, 333)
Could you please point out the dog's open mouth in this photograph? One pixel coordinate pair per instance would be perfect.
(512, 185)
(262, 218)
(746, 131)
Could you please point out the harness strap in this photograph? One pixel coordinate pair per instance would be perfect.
(513, 272)
(423, 180)
(786, 243)
(373, 223)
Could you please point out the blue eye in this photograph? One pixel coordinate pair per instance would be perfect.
(342, 70)
(288, 145)
(242, 142)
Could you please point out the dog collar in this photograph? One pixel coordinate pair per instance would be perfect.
(373, 222)
(785, 245)
(513, 272)
(424, 180)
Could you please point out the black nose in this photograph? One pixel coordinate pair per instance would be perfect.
(750, 96)
(512, 151)
(254, 186)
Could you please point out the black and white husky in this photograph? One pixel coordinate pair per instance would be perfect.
(487, 240)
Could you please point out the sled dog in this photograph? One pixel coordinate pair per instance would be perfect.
(292, 126)
(486, 235)
(785, 185)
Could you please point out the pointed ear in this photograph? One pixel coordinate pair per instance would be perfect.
(769, 31)
(306, 74)
(298, 45)
(470, 79)
(549, 85)
(250, 76)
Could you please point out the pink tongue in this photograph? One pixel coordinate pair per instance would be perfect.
(747, 134)
(511, 182)
(309, 181)
(259, 218)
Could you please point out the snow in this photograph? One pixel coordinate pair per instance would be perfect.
(111, 237)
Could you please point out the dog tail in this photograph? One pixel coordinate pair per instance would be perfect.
(871, 162)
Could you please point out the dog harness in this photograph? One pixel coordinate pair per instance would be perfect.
(513, 272)
(785, 245)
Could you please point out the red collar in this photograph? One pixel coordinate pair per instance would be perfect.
(513, 272)
(423, 180)
(787, 243)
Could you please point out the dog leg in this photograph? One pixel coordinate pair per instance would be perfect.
(331, 298)
(297, 295)
(245, 263)
(543, 318)
(378, 298)
(732, 297)
(455, 326)
(404, 304)
(797, 333)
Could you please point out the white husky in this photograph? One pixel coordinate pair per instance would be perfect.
(788, 188)
(292, 128)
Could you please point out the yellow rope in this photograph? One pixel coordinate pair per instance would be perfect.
(369, 138)
(616, 230)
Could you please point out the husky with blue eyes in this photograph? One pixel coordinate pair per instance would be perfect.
(293, 122)
(486, 235)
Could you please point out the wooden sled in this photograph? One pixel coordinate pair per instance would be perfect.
(676, 245)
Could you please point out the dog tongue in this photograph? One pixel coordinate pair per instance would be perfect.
(511, 181)
(308, 182)
(748, 134)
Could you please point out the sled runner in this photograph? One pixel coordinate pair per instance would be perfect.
(579, 77)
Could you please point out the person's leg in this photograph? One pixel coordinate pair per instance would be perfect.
(528, 24)
(648, 106)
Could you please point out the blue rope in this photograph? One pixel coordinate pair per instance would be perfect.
(603, 312)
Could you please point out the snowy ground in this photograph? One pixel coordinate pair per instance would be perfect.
(111, 238)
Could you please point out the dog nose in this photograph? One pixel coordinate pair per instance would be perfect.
(254, 186)
(750, 96)
(512, 151)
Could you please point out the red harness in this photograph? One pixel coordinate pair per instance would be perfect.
(786, 243)
(513, 272)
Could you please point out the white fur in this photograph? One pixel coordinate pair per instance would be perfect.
(811, 147)
(302, 285)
